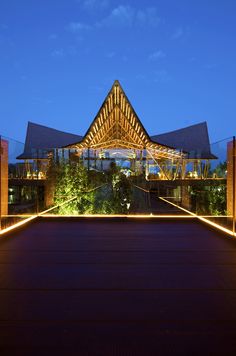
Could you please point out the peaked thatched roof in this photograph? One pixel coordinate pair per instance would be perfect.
(117, 125)
(40, 139)
(193, 139)
(113, 122)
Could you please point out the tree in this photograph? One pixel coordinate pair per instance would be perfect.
(220, 170)
(73, 180)
(209, 200)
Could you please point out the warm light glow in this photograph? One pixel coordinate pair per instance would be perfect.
(25, 221)
(217, 226)
(17, 216)
(177, 206)
(117, 125)
(57, 206)
(227, 231)
(13, 227)
(145, 190)
(136, 216)
(130, 216)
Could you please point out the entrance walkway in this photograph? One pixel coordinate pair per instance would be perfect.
(117, 287)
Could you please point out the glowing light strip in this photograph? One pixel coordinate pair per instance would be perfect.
(10, 228)
(20, 223)
(17, 216)
(136, 216)
(145, 190)
(177, 206)
(25, 221)
(131, 216)
(93, 189)
(227, 231)
(57, 206)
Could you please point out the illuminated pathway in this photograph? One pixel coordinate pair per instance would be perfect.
(117, 287)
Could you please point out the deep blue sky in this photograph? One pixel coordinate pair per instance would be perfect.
(176, 60)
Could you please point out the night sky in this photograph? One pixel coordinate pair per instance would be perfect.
(175, 59)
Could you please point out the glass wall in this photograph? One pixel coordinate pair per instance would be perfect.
(115, 181)
(213, 197)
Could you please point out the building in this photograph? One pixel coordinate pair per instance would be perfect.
(117, 135)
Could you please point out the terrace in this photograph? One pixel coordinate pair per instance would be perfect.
(153, 280)
(117, 243)
(123, 286)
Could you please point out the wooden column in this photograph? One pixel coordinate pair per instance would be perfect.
(3, 177)
(88, 157)
(185, 197)
(144, 161)
(95, 159)
(231, 178)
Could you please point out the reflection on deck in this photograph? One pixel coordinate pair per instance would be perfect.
(118, 286)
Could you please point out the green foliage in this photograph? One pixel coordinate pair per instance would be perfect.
(218, 200)
(220, 170)
(71, 180)
(121, 193)
(94, 192)
(209, 199)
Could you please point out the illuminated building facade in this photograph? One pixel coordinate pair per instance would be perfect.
(117, 135)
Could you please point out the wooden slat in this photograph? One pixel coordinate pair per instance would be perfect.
(117, 122)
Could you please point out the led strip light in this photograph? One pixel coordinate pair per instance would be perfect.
(217, 226)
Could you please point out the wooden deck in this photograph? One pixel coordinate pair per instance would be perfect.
(117, 287)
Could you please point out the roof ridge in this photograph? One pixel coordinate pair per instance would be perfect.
(51, 128)
(182, 128)
(115, 84)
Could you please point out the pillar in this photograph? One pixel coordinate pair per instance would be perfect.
(231, 178)
(3, 177)
(88, 157)
(185, 197)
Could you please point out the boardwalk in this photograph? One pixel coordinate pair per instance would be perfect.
(117, 287)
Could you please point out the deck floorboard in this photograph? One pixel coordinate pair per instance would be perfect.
(117, 287)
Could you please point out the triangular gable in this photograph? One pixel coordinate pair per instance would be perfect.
(116, 124)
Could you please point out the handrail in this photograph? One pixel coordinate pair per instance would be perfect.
(145, 190)
(147, 195)
(57, 206)
(42, 213)
(70, 200)
(202, 218)
(96, 188)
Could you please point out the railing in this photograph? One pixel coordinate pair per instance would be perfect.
(141, 200)
(212, 198)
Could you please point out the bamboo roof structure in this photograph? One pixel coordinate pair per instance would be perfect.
(117, 125)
